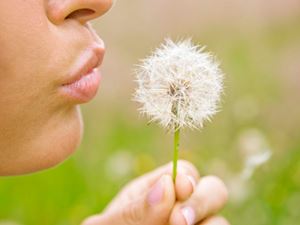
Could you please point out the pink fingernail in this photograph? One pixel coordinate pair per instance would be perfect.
(189, 215)
(156, 194)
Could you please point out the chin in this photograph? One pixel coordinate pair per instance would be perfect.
(62, 143)
(58, 140)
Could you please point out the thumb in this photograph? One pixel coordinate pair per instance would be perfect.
(153, 207)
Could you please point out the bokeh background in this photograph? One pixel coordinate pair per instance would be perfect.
(253, 144)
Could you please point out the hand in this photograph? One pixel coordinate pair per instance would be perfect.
(153, 199)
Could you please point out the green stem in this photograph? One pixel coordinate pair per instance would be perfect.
(175, 154)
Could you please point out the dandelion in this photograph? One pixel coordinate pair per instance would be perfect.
(179, 86)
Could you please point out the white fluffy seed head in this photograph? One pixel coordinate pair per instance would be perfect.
(179, 85)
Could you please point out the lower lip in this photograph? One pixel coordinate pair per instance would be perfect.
(84, 89)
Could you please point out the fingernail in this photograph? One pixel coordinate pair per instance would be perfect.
(155, 195)
(189, 215)
(193, 182)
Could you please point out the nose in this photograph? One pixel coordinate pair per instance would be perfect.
(81, 10)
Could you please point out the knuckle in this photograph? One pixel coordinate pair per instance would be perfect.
(187, 164)
(223, 221)
(133, 214)
(220, 186)
(92, 220)
(190, 167)
(217, 220)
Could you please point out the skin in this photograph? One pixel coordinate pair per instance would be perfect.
(33, 62)
(206, 195)
(40, 40)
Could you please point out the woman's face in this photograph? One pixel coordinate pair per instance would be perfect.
(48, 56)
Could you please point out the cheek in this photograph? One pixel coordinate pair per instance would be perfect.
(23, 44)
(25, 76)
(36, 130)
(22, 26)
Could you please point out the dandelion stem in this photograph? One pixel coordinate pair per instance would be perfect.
(175, 154)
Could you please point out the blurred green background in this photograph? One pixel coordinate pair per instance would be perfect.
(258, 43)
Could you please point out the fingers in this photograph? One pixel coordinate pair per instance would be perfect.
(93, 220)
(156, 206)
(208, 198)
(186, 180)
(190, 168)
(216, 220)
(150, 208)
(184, 186)
(184, 167)
(150, 198)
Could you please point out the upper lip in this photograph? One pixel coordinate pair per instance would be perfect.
(90, 59)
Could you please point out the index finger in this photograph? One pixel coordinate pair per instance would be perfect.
(209, 197)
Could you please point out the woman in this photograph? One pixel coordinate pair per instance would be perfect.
(48, 66)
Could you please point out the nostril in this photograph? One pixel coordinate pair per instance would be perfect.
(80, 13)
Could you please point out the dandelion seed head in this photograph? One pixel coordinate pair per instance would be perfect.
(179, 85)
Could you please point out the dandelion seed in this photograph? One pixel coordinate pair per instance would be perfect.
(255, 149)
(253, 162)
(179, 86)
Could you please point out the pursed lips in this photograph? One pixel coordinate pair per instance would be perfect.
(84, 78)
(92, 58)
